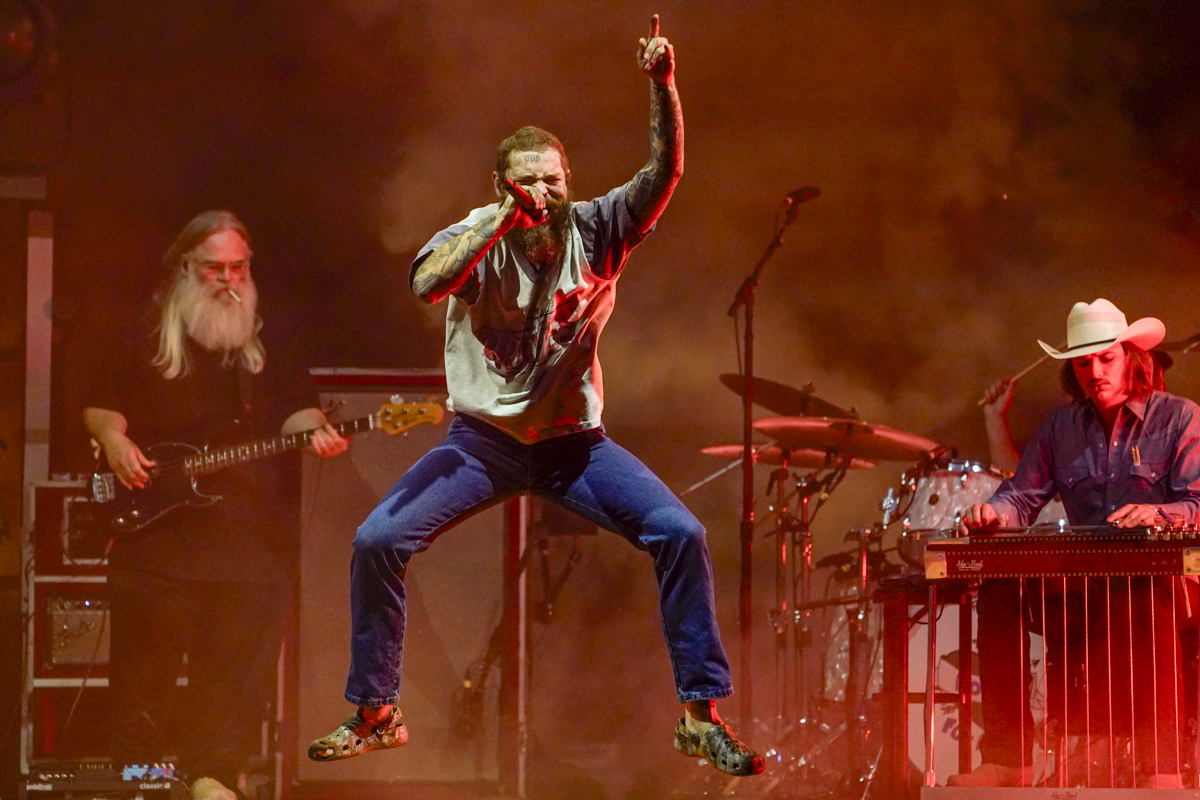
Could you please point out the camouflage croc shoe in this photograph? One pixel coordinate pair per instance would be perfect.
(356, 736)
(720, 747)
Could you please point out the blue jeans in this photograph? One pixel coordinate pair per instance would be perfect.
(476, 466)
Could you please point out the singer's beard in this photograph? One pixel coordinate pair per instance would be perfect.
(214, 319)
(544, 245)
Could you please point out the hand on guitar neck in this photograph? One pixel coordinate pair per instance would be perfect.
(326, 441)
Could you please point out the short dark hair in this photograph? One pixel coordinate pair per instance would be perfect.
(1139, 375)
(529, 138)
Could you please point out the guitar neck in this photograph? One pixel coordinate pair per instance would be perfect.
(218, 458)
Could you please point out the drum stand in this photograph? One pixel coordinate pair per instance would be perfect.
(858, 677)
(794, 607)
(792, 532)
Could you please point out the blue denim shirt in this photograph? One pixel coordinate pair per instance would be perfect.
(1153, 457)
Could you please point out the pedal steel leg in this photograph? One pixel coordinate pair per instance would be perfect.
(930, 681)
(965, 683)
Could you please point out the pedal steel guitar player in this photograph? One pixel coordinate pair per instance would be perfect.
(1120, 454)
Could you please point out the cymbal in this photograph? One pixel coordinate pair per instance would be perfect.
(773, 454)
(786, 400)
(855, 439)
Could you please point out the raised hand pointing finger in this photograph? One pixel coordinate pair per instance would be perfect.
(656, 57)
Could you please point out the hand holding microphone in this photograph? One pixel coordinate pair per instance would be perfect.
(530, 204)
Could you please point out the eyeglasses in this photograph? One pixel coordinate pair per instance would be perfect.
(217, 269)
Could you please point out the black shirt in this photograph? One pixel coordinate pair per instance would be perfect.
(250, 534)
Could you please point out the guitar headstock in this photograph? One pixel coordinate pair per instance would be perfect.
(399, 417)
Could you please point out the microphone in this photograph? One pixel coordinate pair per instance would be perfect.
(518, 192)
(803, 194)
(525, 200)
(794, 199)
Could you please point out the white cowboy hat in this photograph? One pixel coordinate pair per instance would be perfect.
(1099, 325)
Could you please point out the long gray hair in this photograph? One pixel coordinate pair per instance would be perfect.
(172, 357)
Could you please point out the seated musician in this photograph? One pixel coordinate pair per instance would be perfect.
(998, 399)
(1120, 455)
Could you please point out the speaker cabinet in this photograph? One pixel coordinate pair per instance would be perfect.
(456, 603)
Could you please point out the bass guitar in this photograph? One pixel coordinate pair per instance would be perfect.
(173, 479)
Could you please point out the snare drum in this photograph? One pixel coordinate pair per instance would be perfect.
(940, 498)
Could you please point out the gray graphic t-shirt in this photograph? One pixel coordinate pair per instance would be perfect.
(521, 345)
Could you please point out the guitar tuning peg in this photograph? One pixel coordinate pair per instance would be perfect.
(397, 399)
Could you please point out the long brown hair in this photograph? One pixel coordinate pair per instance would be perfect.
(1140, 376)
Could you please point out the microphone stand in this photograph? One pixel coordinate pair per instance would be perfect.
(745, 297)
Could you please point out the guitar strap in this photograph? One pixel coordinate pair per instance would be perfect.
(245, 394)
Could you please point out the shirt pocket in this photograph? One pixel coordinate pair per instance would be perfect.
(1146, 484)
(1150, 472)
(1069, 476)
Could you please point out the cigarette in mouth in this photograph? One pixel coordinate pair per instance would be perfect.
(234, 295)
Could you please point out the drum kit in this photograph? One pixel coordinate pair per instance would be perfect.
(814, 444)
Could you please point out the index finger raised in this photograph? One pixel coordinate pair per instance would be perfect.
(653, 26)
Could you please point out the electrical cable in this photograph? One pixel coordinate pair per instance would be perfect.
(86, 674)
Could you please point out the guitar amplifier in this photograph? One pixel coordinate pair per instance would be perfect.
(84, 537)
(68, 538)
(77, 632)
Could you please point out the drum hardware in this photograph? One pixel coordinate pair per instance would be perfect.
(888, 505)
(794, 532)
(858, 677)
(798, 732)
(769, 454)
(808, 768)
(829, 446)
(827, 441)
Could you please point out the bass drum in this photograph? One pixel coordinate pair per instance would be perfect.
(836, 667)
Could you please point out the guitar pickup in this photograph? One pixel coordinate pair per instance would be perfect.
(103, 490)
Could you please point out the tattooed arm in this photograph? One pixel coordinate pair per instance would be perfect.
(446, 269)
(648, 192)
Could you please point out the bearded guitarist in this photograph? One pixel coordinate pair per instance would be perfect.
(210, 582)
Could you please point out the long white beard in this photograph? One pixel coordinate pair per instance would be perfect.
(215, 320)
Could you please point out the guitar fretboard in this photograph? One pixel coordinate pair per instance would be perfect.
(218, 458)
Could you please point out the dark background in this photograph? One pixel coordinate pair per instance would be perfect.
(983, 165)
